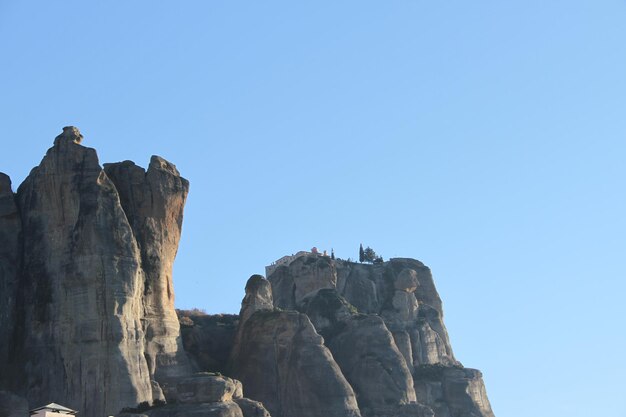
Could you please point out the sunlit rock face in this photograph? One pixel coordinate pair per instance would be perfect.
(282, 361)
(86, 300)
(87, 313)
(384, 325)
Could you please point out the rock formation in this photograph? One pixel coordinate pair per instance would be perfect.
(384, 325)
(83, 287)
(80, 287)
(153, 201)
(282, 361)
(87, 314)
(206, 395)
(10, 263)
(366, 353)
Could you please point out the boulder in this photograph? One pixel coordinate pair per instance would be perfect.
(406, 280)
(452, 391)
(207, 388)
(251, 408)
(220, 409)
(208, 339)
(258, 297)
(70, 133)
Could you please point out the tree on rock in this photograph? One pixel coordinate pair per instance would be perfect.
(361, 253)
(369, 255)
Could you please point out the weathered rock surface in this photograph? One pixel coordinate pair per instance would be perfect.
(81, 284)
(251, 408)
(153, 202)
(393, 290)
(452, 391)
(12, 405)
(208, 395)
(282, 362)
(258, 297)
(365, 351)
(208, 339)
(10, 263)
(402, 330)
(87, 308)
(86, 299)
(220, 409)
(207, 388)
(302, 277)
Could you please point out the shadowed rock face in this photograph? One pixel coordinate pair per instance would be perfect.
(282, 362)
(401, 291)
(12, 406)
(401, 331)
(10, 262)
(365, 351)
(452, 391)
(86, 296)
(153, 201)
(81, 285)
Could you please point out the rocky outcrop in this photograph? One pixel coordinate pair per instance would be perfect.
(365, 351)
(87, 308)
(207, 395)
(452, 391)
(207, 388)
(10, 263)
(282, 362)
(81, 286)
(401, 291)
(86, 299)
(383, 323)
(153, 202)
(304, 276)
(251, 408)
(208, 339)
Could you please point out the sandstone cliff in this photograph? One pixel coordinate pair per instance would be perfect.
(87, 313)
(94, 280)
(383, 326)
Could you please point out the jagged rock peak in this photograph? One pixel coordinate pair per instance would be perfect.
(258, 297)
(5, 184)
(70, 133)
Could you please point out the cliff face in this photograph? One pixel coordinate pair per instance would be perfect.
(383, 325)
(87, 314)
(10, 263)
(282, 361)
(94, 280)
(153, 201)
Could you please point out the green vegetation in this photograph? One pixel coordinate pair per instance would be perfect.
(432, 371)
(144, 406)
(369, 255)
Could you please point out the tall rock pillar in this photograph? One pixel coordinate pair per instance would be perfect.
(81, 338)
(10, 260)
(153, 201)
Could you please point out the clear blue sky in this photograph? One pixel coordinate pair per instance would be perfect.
(485, 138)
